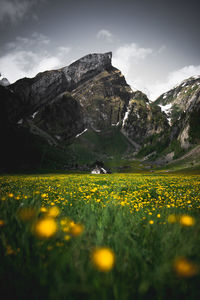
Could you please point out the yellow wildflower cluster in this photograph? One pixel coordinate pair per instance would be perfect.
(160, 200)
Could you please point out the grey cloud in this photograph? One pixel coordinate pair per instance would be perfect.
(105, 34)
(13, 10)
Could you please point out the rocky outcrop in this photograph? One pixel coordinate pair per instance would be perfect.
(143, 119)
(182, 106)
(104, 99)
(180, 98)
(4, 82)
(62, 119)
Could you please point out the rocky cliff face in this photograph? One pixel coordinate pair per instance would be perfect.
(182, 106)
(104, 99)
(143, 119)
(61, 119)
(180, 98)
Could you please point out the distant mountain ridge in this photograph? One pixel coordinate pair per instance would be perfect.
(59, 107)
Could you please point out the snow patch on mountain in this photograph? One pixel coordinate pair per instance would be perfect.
(166, 108)
(79, 134)
(126, 115)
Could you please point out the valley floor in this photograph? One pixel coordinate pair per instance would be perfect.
(116, 236)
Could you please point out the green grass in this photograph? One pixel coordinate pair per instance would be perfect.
(107, 145)
(115, 211)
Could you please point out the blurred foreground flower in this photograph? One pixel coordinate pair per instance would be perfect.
(71, 227)
(103, 259)
(45, 228)
(43, 209)
(186, 220)
(76, 229)
(185, 268)
(9, 250)
(2, 223)
(172, 219)
(53, 212)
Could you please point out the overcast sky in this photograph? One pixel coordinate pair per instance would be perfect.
(155, 43)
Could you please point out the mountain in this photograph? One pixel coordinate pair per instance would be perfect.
(91, 92)
(182, 106)
(86, 111)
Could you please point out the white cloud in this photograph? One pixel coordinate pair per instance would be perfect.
(26, 57)
(174, 78)
(14, 10)
(126, 58)
(105, 34)
(26, 64)
(63, 50)
(129, 54)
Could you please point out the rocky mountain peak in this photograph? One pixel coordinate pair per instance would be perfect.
(46, 86)
(95, 61)
(87, 66)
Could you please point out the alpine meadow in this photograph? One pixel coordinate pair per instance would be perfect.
(118, 236)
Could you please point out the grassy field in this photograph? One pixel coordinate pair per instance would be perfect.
(118, 236)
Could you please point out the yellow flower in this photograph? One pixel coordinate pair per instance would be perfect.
(9, 250)
(67, 237)
(185, 268)
(172, 219)
(76, 229)
(10, 195)
(2, 223)
(53, 212)
(44, 195)
(158, 215)
(151, 222)
(186, 220)
(66, 224)
(46, 227)
(103, 259)
(43, 209)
